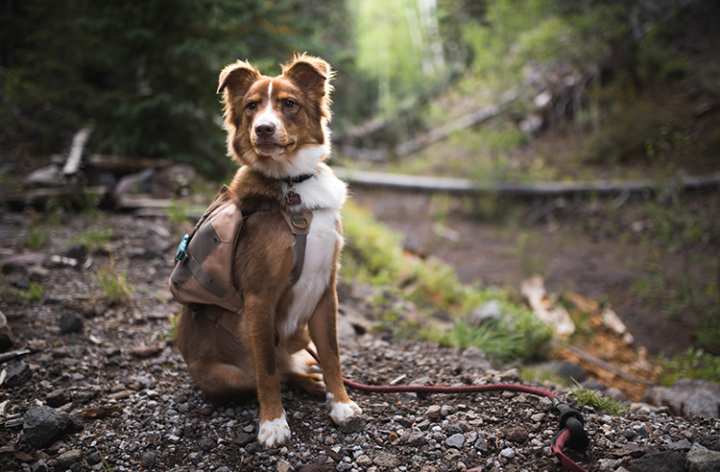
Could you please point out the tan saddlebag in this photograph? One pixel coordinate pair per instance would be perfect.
(204, 269)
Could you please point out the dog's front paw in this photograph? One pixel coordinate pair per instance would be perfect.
(343, 413)
(273, 433)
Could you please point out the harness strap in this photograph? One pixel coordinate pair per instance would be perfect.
(299, 224)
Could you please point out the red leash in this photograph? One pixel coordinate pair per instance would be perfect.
(572, 433)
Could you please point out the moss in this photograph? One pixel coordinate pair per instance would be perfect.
(37, 238)
(587, 397)
(692, 364)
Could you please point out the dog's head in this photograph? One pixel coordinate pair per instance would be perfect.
(278, 125)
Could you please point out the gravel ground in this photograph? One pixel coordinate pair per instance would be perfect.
(106, 391)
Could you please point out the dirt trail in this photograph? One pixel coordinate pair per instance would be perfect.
(608, 269)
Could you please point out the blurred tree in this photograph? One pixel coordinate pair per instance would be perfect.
(144, 73)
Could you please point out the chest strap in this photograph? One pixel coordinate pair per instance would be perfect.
(299, 224)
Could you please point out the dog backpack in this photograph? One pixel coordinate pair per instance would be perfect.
(204, 270)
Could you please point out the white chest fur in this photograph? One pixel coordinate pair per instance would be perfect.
(315, 276)
(325, 195)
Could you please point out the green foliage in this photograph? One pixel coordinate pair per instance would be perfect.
(144, 74)
(114, 284)
(94, 238)
(178, 212)
(373, 255)
(692, 364)
(37, 237)
(588, 397)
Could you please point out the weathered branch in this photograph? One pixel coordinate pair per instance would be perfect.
(76, 151)
(466, 121)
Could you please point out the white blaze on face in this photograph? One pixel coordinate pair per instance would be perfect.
(268, 116)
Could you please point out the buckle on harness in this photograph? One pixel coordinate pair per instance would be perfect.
(181, 252)
(299, 221)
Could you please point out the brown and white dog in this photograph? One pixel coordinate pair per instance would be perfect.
(277, 128)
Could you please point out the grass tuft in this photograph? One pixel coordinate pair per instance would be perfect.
(693, 364)
(587, 397)
(114, 284)
(374, 255)
(94, 239)
(37, 238)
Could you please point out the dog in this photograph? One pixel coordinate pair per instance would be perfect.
(277, 128)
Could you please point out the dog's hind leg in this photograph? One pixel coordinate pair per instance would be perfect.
(218, 380)
(302, 371)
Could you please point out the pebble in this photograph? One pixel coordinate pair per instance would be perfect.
(17, 373)
(283, 466)
(457, 441)
(434, 412)
(70, 322)
(68, 458)
(508, 453)
(386, 460)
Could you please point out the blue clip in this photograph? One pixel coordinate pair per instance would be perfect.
(181, 252)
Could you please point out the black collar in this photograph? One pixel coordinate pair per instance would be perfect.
(297, 179)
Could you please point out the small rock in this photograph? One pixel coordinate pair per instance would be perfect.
(243, 438)
(446, 410)
(701, 459)
(283, 466)
(40, 466)
(354, 425)
(508, 453)
(68, 458)
(363, 460)
(223, 468)
(433, 412)
(42, 425)
(94, 458)
(537, 417)
(18, 373)
(481, 443)
(457, 441)
(70, 323)
(148, 459)
(207, 444)
(487, 312)
(608, 464)
(6, 336)
(57, 398)
(386, 460)
(517, 435)
(143, 352)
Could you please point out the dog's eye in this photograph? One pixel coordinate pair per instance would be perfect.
(289, 103)
(251, 106)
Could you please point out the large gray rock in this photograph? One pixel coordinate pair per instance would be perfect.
(42, 425)
(689, 398)
(701, 459)
(665, 461)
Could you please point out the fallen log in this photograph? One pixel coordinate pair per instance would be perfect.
(467, 187)
(125, 165)
(40, 197)
(466, 121)
(72, 164)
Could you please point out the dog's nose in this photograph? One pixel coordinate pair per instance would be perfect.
(265, 130)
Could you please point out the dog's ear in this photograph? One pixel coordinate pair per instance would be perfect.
(237, 78)
(313, 76)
